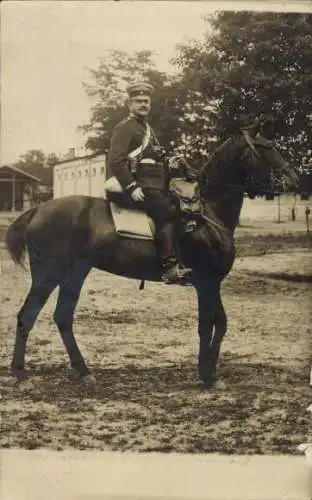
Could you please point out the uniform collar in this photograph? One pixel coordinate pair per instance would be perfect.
(139, 119)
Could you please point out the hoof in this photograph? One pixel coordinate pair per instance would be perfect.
(207, 379)
(88, 380)
(19, 375)
(205, 385)
(217, 385)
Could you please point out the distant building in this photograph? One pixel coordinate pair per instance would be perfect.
(83, 175)
(16, 189)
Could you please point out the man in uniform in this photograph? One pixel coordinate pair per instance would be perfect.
(135, 159)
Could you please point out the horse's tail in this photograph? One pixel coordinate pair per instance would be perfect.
(15, 237)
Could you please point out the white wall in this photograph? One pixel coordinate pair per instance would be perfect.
(84, 176)
(262, 209)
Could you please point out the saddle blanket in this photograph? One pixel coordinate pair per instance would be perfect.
(132, 223)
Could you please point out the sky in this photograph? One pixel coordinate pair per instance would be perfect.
(46, 47)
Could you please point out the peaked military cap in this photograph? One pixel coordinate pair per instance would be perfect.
(140, 88)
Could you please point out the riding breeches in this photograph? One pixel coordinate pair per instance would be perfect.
(156, 205)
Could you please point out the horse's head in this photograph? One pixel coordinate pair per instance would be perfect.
(263, 164)
(247, 162)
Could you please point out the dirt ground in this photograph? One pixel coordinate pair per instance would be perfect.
(142, 347)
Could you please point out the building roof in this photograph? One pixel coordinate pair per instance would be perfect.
(21, 172)
(85, 157)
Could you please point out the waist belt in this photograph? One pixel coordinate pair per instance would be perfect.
(147, 161)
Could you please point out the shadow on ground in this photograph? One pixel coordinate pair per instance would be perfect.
(289, 277)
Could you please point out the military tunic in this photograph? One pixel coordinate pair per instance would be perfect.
(127, 136)
(152, 178)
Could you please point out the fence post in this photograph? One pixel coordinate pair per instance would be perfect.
(307, 213)
(278, 208)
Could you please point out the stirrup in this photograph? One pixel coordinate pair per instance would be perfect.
(176, 275)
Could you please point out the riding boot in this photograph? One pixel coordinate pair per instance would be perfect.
(172, 272)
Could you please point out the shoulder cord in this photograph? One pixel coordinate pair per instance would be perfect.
(133, 154)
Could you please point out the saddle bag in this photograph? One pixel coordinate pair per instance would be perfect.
(187, 194)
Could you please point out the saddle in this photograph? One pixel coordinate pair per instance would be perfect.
(131, 223)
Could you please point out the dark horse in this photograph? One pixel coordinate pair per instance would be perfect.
(67, 237)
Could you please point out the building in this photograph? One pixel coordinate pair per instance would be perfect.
(285, 207)
(16, 189)
(84, 175)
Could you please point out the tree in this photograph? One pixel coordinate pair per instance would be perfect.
(249, 63)
(35, 162)
(108, 89)
(254, 63)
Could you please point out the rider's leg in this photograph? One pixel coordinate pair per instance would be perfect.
(163, 212)
(157, 206)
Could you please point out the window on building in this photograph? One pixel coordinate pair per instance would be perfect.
(73, 174)
(65, 176)
(86, 172)
(79, 173)
(94, 171)
(102, 170)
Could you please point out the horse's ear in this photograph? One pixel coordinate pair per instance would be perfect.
(255, 127)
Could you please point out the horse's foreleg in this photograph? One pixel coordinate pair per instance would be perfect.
(69, 293)
(207, 293)
(205, 373)
(220, 327)
(34, 302)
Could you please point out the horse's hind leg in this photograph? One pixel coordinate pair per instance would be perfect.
(43, 283)
(70, 288)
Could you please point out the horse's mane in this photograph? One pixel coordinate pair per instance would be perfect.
(225, 153)
(219, 160)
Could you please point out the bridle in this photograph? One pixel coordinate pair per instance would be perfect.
(251, 144)
(204, 187)
(240, 188)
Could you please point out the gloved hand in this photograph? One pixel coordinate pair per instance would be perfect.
(137, 194)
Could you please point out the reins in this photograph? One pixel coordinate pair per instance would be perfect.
(209, 219)
(238, 187)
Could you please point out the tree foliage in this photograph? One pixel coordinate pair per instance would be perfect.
(108, 91)
(255, 63)
(35, 162)
(249, 63)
